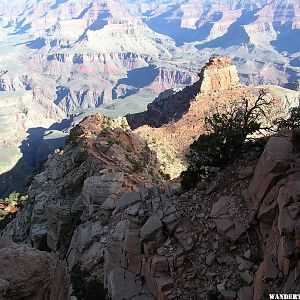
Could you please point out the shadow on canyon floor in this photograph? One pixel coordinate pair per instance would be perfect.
(35, 150)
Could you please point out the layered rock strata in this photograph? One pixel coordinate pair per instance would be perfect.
(218, 74)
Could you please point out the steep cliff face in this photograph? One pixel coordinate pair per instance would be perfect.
(255, 31)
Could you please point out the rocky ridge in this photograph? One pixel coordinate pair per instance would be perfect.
(172, 124)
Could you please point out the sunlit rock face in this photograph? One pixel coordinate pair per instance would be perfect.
(218, 74)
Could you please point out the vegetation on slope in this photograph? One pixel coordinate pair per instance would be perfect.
(293, 122)
(228, 130)
(9, 206)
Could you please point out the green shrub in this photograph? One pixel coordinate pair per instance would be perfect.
(293, 121)
(14, 197)
(166, 177)
(86, 288)
(146, 156)
(103, 132)
(228, 128)
(3, 214)
(5, 218)
(107, 121)
(75, 135)
(190, 178)
(80, 157)
(112, 141)
(137, 166)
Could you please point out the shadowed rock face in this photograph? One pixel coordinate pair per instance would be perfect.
(276, 197)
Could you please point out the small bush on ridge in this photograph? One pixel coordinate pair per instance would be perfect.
(228, 128)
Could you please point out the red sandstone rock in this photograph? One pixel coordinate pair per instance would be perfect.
(277, 200)
(275, 161)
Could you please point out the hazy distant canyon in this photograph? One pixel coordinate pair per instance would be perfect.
(59, 58)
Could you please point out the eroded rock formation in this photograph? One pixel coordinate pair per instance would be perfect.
(218, 74)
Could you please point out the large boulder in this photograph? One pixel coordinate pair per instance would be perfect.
(28, 273)
(229, 216)
(87, 241)
(126, 285)
(99, 189)
(275, 191)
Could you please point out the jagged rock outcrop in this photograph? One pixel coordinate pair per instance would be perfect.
(27, 273)
(275, 192)
(218, 74)
(94, 151)
(149, 239)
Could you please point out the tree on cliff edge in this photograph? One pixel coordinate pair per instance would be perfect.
(227, 130)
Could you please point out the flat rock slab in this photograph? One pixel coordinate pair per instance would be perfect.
(127, 200)
(149, 229)
(228, 218)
